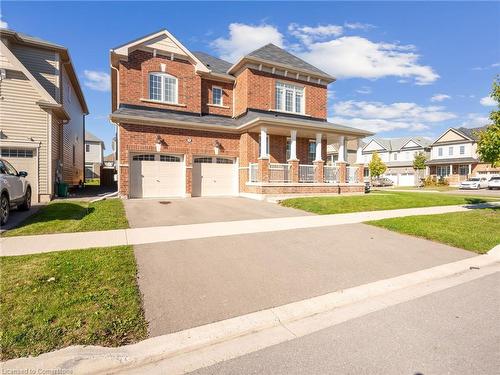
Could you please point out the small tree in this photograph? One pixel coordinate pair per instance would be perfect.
(376, 165)
(488, 144)
(419, 163)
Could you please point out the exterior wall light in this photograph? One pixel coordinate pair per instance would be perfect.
(217, 146)
(159, 141)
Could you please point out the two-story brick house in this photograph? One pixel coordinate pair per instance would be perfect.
(454, 156)
(190, 124)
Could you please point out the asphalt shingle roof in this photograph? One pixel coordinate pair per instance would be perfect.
(471, 133)
(395, 144)
(91, 137)
(273, 53)
(213, 63)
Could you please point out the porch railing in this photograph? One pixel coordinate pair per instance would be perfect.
(331, 173)
(280, 172)
(253, 172)
(352, 175)
(306, 173)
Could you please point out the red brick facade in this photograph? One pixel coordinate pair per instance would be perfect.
(256, 90)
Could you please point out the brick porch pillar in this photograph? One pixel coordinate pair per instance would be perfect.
(294, 170)
(318, 171)
(361, 173)
(263, 169)
(342, 172)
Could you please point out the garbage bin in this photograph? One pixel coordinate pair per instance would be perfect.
(62, 190)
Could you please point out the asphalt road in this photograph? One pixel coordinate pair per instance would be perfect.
(455, 331)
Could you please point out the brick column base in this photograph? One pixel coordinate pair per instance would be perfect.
(189, 174)
(263, 170)
(342, 172)
(318, 171)
(294, 170)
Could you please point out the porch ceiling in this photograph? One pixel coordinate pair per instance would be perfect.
(331, 136)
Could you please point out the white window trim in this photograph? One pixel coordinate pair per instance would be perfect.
(221, 96)
(283, 99)
(162, 87)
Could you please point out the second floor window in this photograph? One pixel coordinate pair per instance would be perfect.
(440, 151)
(462, 150)
(395, 156)
(163, 87)
(216, 96)
(450, 151)
(289, 98)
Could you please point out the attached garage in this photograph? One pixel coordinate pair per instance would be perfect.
(157, 176)
(24, 159)
(214, 176)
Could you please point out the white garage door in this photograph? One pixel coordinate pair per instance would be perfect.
(406, 179)
(214, 176)
(156, 176)
(24, 160)
(392, 177)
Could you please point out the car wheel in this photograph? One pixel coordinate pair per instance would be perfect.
(27, 201)
(4, 209)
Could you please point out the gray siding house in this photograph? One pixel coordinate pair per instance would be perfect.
(42, 112)
(94, 155)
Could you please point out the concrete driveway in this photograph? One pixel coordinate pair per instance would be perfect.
(151, 212)
(194, 282)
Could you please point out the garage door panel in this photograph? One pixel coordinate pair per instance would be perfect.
(407, 179)
(213, 176)
(24, 160)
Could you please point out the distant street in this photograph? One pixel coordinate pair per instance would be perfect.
(454, 331)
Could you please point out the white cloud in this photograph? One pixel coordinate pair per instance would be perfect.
(494, 65)
(3, 24)
(99, 81)
(358, 26)
(365, 90)
(439, 97)
(308, 34)
(379, 117)
(244, 39)
(475, 120)
(354, 56)
(488, 101)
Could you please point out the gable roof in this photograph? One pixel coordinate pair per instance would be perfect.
(92, 138)
(275, 55)
(215, 64)
(63, 52)
(471, 132)
(125, 49)
(457, 132)
(396, 144)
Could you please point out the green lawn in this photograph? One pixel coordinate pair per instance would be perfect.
(475, 230)
(376, 201)
(73, 216)
(92, 182)
(53, 300)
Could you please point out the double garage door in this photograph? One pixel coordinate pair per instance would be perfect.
(158, 175)
(401, 179)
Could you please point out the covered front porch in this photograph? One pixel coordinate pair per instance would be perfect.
(280, 160)
(452, 171)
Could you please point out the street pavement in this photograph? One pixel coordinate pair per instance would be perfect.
(454, 331)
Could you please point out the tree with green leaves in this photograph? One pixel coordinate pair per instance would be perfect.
(376, 166)
(419, 163)
(488, 144)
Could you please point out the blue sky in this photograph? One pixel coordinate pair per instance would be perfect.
(403, 68)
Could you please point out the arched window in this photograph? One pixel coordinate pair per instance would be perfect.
(163, 87)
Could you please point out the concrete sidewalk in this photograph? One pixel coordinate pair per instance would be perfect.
(22, 245)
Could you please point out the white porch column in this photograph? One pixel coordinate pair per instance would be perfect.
(359, 153)
(293, 144)
(470, 169)
(341, 149)
(263, 143)
(318, 147)
(451, 169)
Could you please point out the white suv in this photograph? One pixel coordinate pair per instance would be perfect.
(16, 190)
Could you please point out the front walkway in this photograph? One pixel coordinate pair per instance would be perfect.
(136, 236)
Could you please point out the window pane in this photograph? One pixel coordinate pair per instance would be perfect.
(298, 101)
(170, 89)
(154, 87)
(279, 97)
(289, 100)
(170, 158)
(217, 96)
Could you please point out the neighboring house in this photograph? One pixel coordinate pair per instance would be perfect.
(190, 124)
(94, 155)
(42, 112)
(398, 154)
(454, 156)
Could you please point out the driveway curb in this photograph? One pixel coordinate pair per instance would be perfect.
(202, 346)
